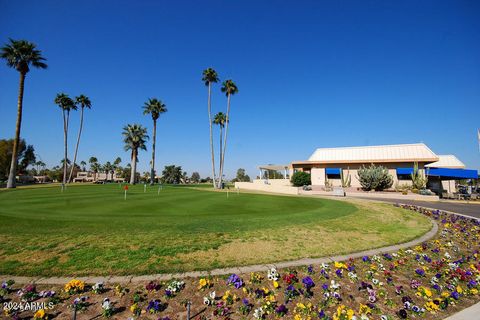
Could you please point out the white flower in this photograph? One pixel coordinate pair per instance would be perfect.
(375, 281)
(106, 305)
(206, 301)
(258, 313)
(447, 255)
(324, 265)
(212, 295)
(383, 317)
(364, 317)
(272, 274)
(352, 276)
(334, 285)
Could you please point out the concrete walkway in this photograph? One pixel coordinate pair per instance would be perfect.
(227, 271)
(469, 313)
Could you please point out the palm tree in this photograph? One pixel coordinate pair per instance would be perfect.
(116, 166)
(210, 76)
(134, 136)
(20, 54)
(220, 119)
(84, 102)
(108, 167)
(229, 88)
(66, 104)
(83, 164)
(93, 166)
(155, 108)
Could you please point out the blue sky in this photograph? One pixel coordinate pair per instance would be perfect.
(310, 74)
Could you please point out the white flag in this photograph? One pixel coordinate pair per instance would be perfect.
(478, 134)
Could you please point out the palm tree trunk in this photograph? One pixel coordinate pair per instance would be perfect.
(13, 164)
(211, 132)
(76, 148)
(134, 167)
(222, 160)
(220, 155)
(65, 145)
(152, 172)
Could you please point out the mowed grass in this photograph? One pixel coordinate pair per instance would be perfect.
(92, 230)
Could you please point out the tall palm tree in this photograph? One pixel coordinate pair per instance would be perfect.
(20, 55)
(229, 88)
(220, 119)
(84, 102)
(93, 165)
(155, 108)
(66, 104)
(210, 76)
(134, 136)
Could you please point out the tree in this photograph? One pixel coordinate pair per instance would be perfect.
(83, 164)
(229, 88)
(84, 102)
(117, 168)
(94, 166)
(154, 108)
(300, 179)
(66, 104)
(210, 76)
(6, 150)
(27, 159)
(172, 174)
(241, 176)
(20, 55)
(195, 178)
(220, 119)
(134, 136)
(108, 168)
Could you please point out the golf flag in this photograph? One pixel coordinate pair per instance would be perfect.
(478, 135)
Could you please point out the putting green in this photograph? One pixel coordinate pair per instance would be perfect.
(92, 230)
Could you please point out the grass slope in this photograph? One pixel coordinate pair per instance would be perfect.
(90, 229)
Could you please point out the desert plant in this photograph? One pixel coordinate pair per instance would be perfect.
(374, 178)
(300, 179)
(346, 179)
(419, 180)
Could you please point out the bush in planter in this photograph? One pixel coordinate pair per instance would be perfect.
(374, 178)
(300, 179)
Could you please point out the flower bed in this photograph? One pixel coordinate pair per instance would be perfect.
(431, 281)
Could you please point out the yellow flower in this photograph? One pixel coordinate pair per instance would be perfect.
(459, 289)
(203, 283)
(275, 284)
(364, 309)
(40, 314)
(75, 286)
(474, 291)
(300, 305)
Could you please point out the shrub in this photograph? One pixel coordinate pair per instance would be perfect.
(300, 179)
(374, 178)
(419, 181)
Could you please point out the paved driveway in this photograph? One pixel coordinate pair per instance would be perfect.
(472, 210)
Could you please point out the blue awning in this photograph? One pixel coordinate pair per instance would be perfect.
(452, 173)
(332, 170)
(404, 171)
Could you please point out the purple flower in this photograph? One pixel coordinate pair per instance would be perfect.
(281, 310)
(321, 314)
(402, 314)
(155, 306)
(338, 273)
(308, 283)
(455, 295)
(325, 286)
(235, 281)
(420, 272)
(365, 258)
(310, 269)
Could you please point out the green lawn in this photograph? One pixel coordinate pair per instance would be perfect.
(92, 230)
